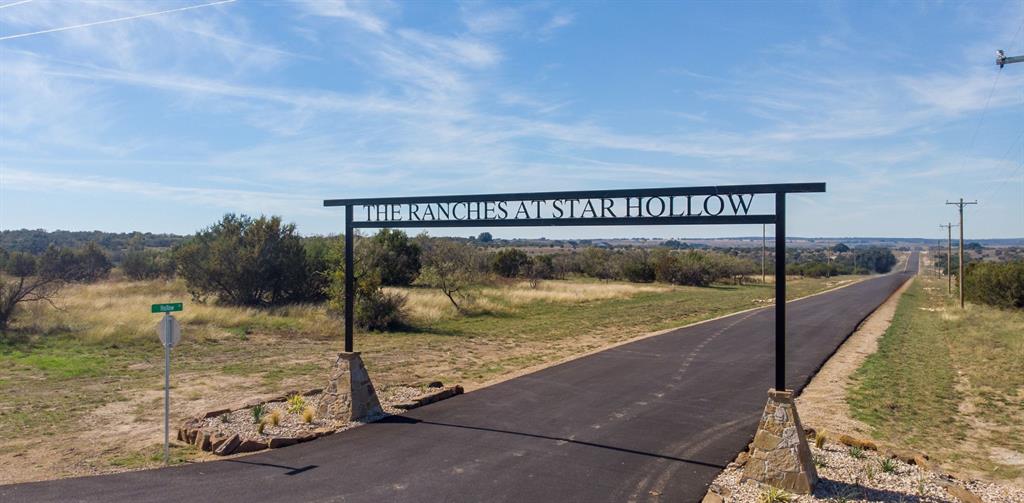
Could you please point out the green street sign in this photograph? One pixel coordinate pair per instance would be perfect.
(167, 308)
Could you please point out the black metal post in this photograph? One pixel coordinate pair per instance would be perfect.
(780, 291)
(350, 277)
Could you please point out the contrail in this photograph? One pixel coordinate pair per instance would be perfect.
(12, 4)
(20, 35)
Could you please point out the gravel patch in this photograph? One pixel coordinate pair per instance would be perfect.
(846, 478)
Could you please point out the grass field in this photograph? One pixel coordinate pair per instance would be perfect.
(81, 387)
(948, 382)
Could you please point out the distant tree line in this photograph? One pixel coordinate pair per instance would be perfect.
(115, 243)
(261, 262)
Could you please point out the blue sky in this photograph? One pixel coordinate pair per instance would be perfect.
(165, 122)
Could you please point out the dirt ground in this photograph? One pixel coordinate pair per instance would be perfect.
(822, 404)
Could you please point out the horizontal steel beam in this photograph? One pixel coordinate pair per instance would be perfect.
(573, 222)
(778, 188)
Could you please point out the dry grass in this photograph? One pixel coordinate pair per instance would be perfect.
(430, 305)
(120, 311)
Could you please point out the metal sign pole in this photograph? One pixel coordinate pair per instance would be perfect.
(350, 278)
(167, 388)
(780, 291)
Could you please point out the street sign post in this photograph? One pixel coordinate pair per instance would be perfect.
(169, 332)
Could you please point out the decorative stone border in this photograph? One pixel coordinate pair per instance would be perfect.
(195, 431)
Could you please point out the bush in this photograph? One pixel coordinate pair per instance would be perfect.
(510, 262)
(85, 265)
(246, 261)
(148, 264)
(686, 268)
(452, 267)
(636, 267)
(999, 284)
(394, 257)
(376, 309)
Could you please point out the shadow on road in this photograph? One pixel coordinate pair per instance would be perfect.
(291, 469)
(409, 420)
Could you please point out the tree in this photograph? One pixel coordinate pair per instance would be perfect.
(485, 237)
(840, 248)
(510, 262)
(395, 257)
(24, 284)
(148, 264)
(996, 284)
(245, 261)
(86, 265)
(451, 267)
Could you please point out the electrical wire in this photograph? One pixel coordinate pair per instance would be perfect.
(127, 18)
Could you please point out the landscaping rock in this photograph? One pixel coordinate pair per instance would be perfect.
(712, 497)
(202, 440)
(215, 413)
(250, 446)
(858, 442)
(305, 438)
(216, 441)
(228, 446)
(435, 384)
(278, 442)
(960, 493)
(313, 392)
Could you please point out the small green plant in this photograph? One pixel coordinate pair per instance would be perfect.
(774, 495)
(820, 462)
(888, 465)
(869, 472)
(856, 452)
(296, 404)
(819, 439)
(258, 411)
(275, 417)
(307, 415)
(225, 418)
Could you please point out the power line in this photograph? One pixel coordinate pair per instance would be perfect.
(108, 21)
(12, 4)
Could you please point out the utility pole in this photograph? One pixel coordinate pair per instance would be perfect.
(960, 279)
(1002, 60)
(949, 256)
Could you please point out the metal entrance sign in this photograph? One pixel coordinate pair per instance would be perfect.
(709, 205)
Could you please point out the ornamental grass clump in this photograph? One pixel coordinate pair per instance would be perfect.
(888, 465)
(274, 418)
(774, 495)
(307, 415)
(296, 404)
(856, 452)
(258, 411)
(819, 439)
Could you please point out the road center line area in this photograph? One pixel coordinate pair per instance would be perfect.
(655, 419)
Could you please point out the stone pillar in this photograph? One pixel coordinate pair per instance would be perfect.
(780, 455)
(349, 390)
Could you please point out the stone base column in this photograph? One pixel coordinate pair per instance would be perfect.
(349, 391)
(780, 455)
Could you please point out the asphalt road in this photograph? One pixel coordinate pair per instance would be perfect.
(652, 420)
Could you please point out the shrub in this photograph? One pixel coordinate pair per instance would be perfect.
(245, 261)
(260, 427)
(85, 265)
(274, 418)
(258, 411)
(394, 257)
(376, 309)
(856, 452)
(510, 262)
(148, 264)
(888, 465)
(295, 404)
(23, 283)
(819, 439)
(307, 415)
(774, 495)
(996, 284)
(636, 267)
